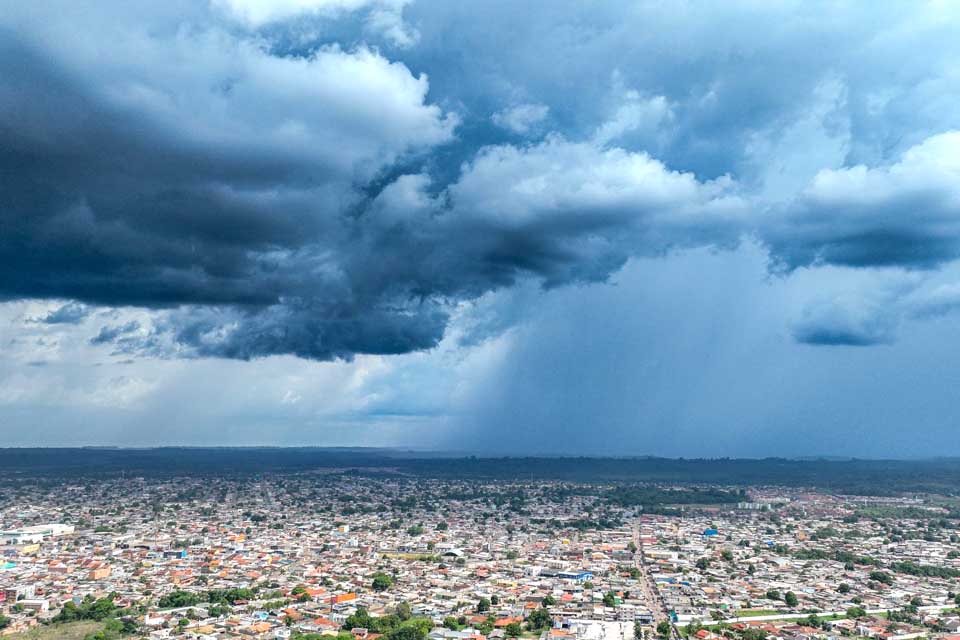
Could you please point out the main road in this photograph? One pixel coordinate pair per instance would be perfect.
(658, 607)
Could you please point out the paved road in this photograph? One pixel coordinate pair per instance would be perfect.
(650, 592)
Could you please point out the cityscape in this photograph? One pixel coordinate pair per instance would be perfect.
(479, 320)
(363, 554)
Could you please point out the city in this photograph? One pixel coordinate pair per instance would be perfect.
(361, 555)
(479, 320)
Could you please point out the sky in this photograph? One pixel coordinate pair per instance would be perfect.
(546, 227)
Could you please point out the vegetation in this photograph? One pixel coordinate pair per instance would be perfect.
(67, 631)
(177, 599)
(381, 581)
(88, 609)
(925, 570)
(394, 626)
(539, 619)
(882, 577)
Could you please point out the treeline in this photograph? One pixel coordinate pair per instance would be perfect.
(925, 570)
(850, 476)
(178, 599)
(99, 610)
(839, 555)
(395, 626)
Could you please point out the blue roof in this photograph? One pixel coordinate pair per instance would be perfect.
(710, 532)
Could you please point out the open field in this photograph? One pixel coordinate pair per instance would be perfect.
(69, 631)
(745, 613)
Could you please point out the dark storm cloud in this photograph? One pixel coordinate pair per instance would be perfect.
(273, 185)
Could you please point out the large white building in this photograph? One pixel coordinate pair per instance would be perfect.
(29, 535)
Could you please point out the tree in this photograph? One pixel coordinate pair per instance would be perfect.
(703, 564)
(727, 555)
(513, 630)
(548, 601)
(882, 577)
(4, 621)
(790, 599)
(407, 632)
(483, 605)
(637, 631)
(609, 599)
(451, 623)
(663, 629)
(856, 612)
(539, 619)
(442, 526)
(381, 581)
(773, 594)
(843, 588)
(403, 611)
(494, 599)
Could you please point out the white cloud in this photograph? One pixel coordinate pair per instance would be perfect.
(588, 185)
(384, 17)
(906, 213)
(521, 119)
(635, 115)
(210, 90)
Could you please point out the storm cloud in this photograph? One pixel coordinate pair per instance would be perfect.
(328, 179)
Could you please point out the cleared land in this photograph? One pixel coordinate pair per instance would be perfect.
(69, 631)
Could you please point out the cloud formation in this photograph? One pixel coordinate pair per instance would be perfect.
(327, 178)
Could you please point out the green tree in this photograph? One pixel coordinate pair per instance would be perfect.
(882, 577)
(856, 612)
(609, 599)
(663, 629)
(407, 632)
(548, 601)
(451, 623)
(790, 599)
(513, 630)
(381, 581)
(843, 588)
(483, 605)
(773, 594)
(539, 619)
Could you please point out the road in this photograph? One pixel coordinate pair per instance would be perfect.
(650, 592)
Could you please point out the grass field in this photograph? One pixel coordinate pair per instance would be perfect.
(69, 631)
(746, 613)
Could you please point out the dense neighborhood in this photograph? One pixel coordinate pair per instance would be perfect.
(365, 556)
